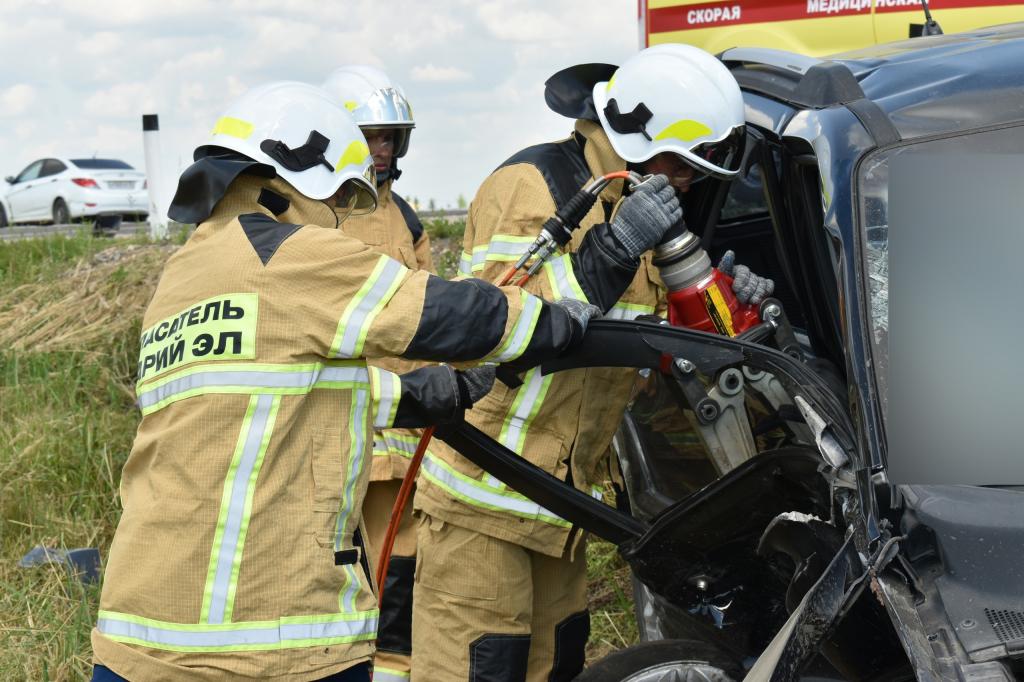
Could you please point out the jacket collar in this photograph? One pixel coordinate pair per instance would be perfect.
(601, 157)
(243, 196)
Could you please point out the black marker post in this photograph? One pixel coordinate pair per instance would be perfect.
(151, 146)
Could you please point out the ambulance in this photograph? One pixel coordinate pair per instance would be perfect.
(811, 27)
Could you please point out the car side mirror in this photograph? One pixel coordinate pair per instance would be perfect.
(9, 179)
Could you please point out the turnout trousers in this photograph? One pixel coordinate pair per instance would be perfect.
(487, 609)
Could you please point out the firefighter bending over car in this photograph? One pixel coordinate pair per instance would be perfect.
(501, 583)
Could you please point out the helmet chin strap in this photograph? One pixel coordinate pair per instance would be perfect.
(391, 173)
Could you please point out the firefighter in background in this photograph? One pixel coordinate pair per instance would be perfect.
(236, 553)
(501, 583)
(383, 113)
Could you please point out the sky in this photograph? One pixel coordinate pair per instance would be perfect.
(77, 76)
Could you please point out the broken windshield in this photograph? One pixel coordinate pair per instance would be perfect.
(943, 162)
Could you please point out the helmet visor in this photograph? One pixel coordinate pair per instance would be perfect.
(721, 159)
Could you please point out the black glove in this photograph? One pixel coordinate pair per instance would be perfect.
(748, 287)
(646, 214)
(474, 384)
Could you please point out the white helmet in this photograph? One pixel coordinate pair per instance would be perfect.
(310, 140)
(674, 98)
(374, 100)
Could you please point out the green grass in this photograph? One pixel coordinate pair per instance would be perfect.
(27, 259)
(446, 245)
(66, 425)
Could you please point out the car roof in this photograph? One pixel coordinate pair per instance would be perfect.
(925, 86)
(944, 83)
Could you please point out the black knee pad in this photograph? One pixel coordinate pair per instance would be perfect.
(499, 658)
(394, 632)
(571, 637)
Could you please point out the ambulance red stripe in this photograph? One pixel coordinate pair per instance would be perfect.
(731, 12)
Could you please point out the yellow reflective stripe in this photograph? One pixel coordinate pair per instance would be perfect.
(563, 280)
(388, 675)
(524, 408)
(363, 309)
(357, 438)
(390, 443)
(355, 154)
(285, 633)
(251, 379)
(685, 129)
(522, 332)
(234, 127)
(628, 311)
(506, 247)
(502, 248)
(236, 508)
(466, 264)
(386, 389)
(479, 494)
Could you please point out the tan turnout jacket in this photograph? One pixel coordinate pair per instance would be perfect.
(234, 555)
(386, 231)
(564, 422)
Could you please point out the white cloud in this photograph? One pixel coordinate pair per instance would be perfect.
(16, 100)
(428, 73)
(120, 101)
(470, 68)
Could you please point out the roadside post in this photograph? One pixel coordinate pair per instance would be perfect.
(151, 145)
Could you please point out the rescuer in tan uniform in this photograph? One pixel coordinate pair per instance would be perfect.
(501, 582)
(384, 114)
(235, 554)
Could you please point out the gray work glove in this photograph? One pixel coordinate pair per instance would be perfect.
(748, 287)
(580, 313)
(646, 214)
(474, 384)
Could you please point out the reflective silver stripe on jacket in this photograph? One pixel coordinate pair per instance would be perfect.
(361, 311)
(235, 379)
(480, 494)
(236, 507)
(299, 631)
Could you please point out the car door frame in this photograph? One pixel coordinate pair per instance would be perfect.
(18, 197)
(40, 199)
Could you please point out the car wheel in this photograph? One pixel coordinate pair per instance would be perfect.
(61, 214)
(669, 660)
(3, 216)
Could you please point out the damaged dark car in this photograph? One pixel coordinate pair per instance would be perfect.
(756, 512)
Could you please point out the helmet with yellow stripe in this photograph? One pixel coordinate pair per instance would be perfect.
(309, 139)
(674, 98)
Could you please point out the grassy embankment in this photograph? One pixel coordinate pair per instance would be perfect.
(70, 311)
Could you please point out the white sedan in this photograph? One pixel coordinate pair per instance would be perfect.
(61, 190)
